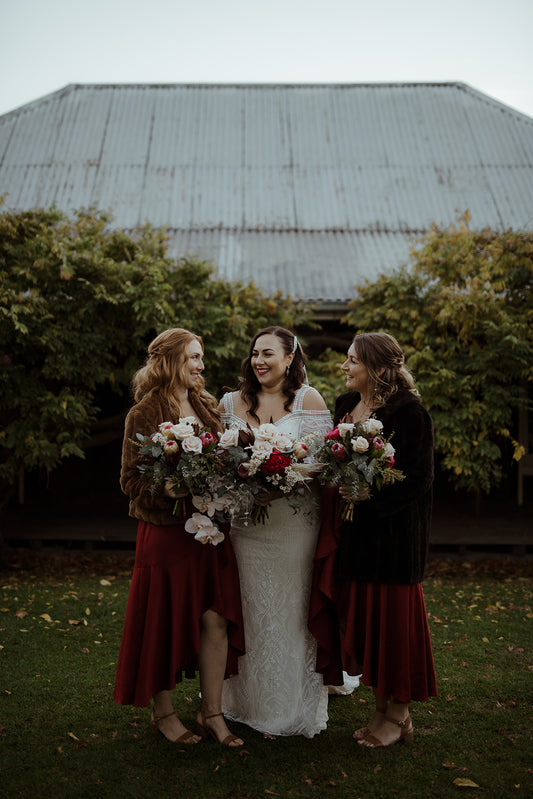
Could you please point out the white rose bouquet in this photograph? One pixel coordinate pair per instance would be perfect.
(356, 455)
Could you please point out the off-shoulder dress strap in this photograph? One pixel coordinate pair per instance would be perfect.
(298, 402)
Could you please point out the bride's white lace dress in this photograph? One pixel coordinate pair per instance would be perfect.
(277, 690)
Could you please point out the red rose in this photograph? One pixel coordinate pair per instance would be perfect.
(207, 438)
(391, 461)
(276, 464)
(333, 435)
(339, 451)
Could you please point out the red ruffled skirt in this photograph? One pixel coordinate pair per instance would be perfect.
(175, 580)
(385, 636)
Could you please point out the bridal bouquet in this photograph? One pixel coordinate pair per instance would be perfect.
(356, 455)
(188, 457)
(265, 460)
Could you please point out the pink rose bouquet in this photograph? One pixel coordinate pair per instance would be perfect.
(356, 455)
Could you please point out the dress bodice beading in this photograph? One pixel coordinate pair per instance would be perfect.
(297, 422)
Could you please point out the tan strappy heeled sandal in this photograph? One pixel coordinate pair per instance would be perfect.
(407, 733)
(204, 731)
(187, 737)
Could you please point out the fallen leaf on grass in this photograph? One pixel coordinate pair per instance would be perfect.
(19, 614)
(46, 617)
(464, 782)
(377, 769)
(105, 582)
(448, 764)
(71, 735)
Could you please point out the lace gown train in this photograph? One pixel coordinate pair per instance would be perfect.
(277, 690)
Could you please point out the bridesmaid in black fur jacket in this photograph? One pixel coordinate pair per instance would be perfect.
(380, 556)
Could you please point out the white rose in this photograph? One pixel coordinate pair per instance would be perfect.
(203, 529)
(192, 444)
(283, 443)
(266, 432)
(262, 449)
(345, 427)
(229, 438)
(360, 444)
(190, 420)
(182, 430)
(388, 451)
(372, 426)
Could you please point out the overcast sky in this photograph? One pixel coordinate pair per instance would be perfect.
(47, 44)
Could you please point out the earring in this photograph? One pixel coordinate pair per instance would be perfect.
(287, 370)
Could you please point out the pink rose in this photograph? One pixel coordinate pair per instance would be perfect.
(338, 451)
(207, 438)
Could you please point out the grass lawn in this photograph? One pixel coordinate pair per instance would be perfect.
(61, 734)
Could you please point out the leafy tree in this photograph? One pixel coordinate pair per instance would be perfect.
(463, 314)
(78, 304)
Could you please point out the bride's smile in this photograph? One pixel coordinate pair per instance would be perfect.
(269, 361)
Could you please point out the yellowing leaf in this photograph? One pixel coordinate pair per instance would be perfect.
(46, 617)
(105, 582)
(19, 613)
(87, 611)
(464, 782)
(71, 735)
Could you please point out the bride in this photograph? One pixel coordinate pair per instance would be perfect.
(277, 690)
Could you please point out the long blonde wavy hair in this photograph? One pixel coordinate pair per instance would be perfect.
(163, 371)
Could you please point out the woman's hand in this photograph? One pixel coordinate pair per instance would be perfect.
(264, 498)
(172, 491)
(360, 495)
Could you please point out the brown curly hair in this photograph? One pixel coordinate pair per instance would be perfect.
(163, 371)
(385, 362)
(249, 385)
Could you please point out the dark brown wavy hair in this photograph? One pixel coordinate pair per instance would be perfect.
(163, 372)
(385, 362)
(250, 386)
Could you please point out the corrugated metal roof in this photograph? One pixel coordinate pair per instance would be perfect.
(281, 184)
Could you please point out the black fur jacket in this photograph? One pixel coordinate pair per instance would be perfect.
(388, 540)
